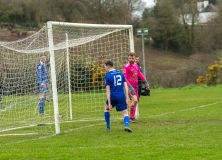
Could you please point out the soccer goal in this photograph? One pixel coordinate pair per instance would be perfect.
(76, 54)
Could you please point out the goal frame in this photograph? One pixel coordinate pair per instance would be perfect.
(50, 24)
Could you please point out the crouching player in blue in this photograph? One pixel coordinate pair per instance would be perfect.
(42, 83)
(115, 85)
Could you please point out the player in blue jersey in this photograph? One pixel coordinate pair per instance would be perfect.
(116, 97)
(42, 83)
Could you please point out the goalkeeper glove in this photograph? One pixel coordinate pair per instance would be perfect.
(147, 84)
(132, 90)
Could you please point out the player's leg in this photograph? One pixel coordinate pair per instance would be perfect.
(133, 107)
(122, 106)
(107, 116)
(41, 103)
(139, 93)
(126, 120)
(41, 100)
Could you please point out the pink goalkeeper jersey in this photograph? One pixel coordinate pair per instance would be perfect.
(131, 73)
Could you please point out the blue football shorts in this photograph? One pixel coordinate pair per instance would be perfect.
(42, 89)
(119, 104)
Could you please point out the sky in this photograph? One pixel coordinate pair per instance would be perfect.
(149, 3)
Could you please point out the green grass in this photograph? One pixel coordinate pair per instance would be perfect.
(182, 123)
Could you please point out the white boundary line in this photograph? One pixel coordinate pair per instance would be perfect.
(25, 134)
(206, 105)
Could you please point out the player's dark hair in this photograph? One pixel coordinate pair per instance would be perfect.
(109, 63)
(131, 54)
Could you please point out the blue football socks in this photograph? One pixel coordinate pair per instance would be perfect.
(107, 119)
(126, 121)
(41, 105)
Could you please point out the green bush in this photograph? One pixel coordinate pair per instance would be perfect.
(214, 77)
(81, 77)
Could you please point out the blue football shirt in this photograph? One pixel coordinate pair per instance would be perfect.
(42, 73)
(115, 79)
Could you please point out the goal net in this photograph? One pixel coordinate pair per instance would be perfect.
(76, 91)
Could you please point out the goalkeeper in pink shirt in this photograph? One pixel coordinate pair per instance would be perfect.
(131, 73)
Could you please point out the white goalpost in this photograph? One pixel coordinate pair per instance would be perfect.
(76, 93)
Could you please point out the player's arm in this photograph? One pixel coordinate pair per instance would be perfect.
(39, 76)
(108, 96)
(143, 79)
(127, 93)
(125, 73)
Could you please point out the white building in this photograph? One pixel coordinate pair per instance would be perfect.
(201, 5)
(205, 13)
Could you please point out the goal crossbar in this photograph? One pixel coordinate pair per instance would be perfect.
(84, 25)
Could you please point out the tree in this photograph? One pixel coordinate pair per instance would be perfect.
(115, 11)
(215, 29)
(67, 10)
(213, 2)
(163, 25)
(173, 25)
(34, 13)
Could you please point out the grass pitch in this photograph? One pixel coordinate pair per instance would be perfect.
(182, 123)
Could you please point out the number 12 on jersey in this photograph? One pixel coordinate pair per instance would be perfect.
(117, 80)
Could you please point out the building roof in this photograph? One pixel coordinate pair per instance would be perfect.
(210, 8)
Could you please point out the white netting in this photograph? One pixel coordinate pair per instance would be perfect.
(88, 49)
